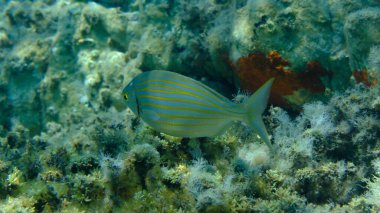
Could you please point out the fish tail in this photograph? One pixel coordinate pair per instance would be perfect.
(255, 106)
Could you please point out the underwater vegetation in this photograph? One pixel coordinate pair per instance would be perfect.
(69, 142)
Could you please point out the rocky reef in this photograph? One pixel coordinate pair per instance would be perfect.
(69, 143)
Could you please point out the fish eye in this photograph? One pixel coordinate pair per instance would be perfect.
(125, 97)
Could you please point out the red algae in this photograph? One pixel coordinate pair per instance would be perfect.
(256, 68)
(365, 77)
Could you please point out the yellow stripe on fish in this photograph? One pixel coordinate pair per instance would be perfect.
(180, 106)
(184, 109)
(197, 86)
(176, 100)
(189, 117)
(209, 104)
(207, 93)
(179, 91)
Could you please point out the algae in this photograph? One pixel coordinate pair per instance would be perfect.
(68, 143)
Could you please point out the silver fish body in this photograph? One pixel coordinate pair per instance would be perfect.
(180, 106)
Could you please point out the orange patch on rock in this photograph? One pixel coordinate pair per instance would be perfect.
(364, 77)
(255, 69)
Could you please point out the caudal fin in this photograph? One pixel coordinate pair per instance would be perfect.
(255, 106)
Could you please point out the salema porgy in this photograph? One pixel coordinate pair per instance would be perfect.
(180, 106)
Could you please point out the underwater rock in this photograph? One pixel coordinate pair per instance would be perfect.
(111, 140)
(374, 60)
(360, 24)
(145, 157)
(69, 143)
(4, 40)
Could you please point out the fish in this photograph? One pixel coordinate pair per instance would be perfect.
(180, 106)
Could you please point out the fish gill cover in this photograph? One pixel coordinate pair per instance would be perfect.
(69, 143)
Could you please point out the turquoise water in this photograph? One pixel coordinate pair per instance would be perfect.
(69, 143)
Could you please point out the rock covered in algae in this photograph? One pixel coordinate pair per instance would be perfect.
(68, 142)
